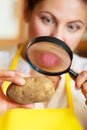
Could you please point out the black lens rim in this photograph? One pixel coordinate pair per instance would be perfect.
(52, 40)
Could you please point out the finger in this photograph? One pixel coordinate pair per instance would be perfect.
(86, 102)
(9, 73)
(28, 105)
(84, 93)
(84, 89)
(1, 91)
(17, 73)
(82, 77)
(16, 80)
(6, 73)
(84, 86)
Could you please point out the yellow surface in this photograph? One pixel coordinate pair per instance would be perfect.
(13, 66)
(39, 119)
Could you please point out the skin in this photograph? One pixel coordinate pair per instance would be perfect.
(58, 22)
(65, 20)
(17, 78)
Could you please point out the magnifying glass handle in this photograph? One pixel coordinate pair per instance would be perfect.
(72, 73)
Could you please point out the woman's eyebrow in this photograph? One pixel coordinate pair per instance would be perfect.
(71, 21)
(78, 21)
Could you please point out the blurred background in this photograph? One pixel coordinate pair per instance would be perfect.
(13, 28)
(82, 47)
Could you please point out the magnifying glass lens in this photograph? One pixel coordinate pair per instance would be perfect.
(49, 57)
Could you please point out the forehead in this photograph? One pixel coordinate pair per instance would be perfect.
(63, 3)
(68, 8)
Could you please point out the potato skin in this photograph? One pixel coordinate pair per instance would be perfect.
(35, 89)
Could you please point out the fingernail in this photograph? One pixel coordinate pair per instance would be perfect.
(12, 73)
(22, 75)
(22, 81)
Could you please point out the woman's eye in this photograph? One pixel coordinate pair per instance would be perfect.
(73, 28)
(47, 20)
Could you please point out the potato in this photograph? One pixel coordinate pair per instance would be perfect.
(35, 89)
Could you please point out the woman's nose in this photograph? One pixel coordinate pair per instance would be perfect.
(58, 34)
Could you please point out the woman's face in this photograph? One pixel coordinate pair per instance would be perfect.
(63, 19)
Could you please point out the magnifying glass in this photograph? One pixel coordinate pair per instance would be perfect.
(50, 56)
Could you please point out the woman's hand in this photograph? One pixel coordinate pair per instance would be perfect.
(14, 77)
(81, 83)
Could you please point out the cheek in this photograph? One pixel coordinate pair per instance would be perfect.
(32, 32)
(72, 42)
(35, 30)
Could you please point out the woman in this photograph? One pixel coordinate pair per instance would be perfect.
(66, 20)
